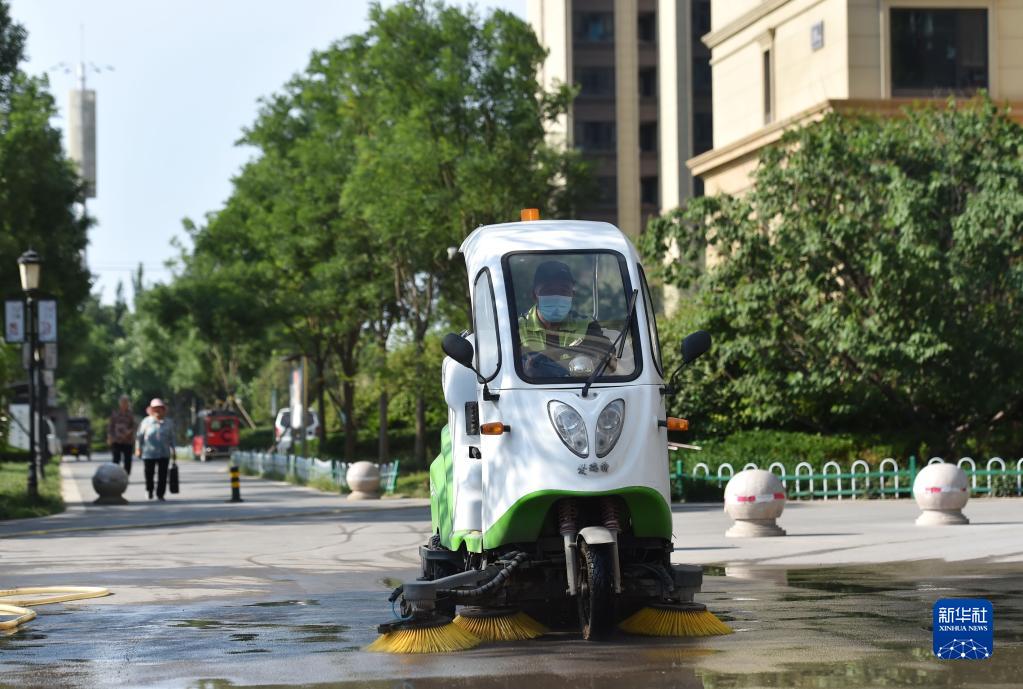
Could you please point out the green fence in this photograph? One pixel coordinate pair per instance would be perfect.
(308, 469)
(859, 480)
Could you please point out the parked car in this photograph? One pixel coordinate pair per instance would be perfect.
(282, 424)
(78, 440)
(214, 434)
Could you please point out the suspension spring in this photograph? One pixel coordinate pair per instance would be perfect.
(568, 516)
(611, 512)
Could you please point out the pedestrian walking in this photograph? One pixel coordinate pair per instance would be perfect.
(121, 433)
(155, 446)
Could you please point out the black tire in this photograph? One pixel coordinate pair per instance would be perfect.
(595, 591)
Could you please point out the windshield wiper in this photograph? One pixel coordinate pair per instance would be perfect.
(620, 340)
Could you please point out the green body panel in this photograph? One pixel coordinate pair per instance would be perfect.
(651, 515)
(442, 511)
(473, 541)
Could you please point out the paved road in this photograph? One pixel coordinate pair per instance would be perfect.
(286, 588)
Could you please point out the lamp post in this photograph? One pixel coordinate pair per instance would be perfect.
(29, 265)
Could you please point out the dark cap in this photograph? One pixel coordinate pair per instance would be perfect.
(550, 272)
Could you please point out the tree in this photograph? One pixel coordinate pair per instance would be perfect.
(871, 279)
(451, 120)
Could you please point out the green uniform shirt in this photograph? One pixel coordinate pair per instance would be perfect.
(534, 337)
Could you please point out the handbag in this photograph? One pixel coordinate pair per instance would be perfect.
(172, 478)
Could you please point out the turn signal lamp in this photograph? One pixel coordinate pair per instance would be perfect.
(675, 424)
(527, 214)
(494, 428)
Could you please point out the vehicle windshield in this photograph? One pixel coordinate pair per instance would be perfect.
(567, 310)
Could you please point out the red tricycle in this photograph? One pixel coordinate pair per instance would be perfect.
(215, 434)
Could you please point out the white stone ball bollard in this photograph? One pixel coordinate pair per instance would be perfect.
(754, 499)
(364, 480)
(110, 481)
(941, 491)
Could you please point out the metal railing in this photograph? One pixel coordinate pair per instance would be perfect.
(859, 481)
(307, 470)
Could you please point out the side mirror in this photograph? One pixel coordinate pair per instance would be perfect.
(693, 347)
(459, 349)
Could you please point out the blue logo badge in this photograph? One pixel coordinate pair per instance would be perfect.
(964, 629)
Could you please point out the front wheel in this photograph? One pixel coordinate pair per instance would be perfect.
(595, 591)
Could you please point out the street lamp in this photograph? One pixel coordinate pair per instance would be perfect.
(29, 265)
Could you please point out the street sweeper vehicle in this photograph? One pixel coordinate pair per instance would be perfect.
(550, 502)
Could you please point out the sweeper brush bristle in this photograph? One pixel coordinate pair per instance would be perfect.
(670, 621)
(436, 639)
(501, 625)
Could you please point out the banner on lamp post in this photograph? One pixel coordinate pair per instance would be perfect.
(297, 395)
(14, 321)
(47, 324)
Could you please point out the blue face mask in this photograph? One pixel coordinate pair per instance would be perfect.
(554, 308)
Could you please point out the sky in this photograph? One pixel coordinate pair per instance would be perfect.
(186, 78)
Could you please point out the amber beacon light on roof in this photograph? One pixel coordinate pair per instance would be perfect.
(527, 214)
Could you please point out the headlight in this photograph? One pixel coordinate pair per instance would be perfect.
(570, 427)
(609, 426)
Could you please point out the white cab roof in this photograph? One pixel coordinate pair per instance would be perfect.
(486, 245)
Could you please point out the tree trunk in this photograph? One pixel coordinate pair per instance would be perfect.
(349, 401)
(321, 401)
(383, 448)
(419, 453)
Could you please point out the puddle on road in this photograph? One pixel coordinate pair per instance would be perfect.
(828, 628)
(280, 603)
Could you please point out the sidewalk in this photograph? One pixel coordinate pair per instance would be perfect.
(204, 498)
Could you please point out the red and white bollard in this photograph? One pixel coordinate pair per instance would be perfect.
(754, 499)
(941, 491)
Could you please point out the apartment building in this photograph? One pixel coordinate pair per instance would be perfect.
(644, 101)
(778, 63)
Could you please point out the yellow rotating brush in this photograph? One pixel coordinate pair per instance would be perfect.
(502, 624)
(685, 619)
(435, 636)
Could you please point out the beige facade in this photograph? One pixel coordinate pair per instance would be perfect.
(778, 63)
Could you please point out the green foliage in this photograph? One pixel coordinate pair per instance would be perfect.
(14, 502)
(872, 278)
(413, 485)
(256, 439)
(1003, 487)
(39, 189)
(701, 490)
(391, 146)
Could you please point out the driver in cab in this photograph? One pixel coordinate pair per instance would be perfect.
(556, 340)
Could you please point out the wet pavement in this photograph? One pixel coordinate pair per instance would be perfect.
(827, 628)
(287, 588)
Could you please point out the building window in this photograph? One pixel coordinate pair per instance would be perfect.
(646, 24)
(593, 27)
(648, 82)
(701, 18)
(595, 136)
(607, 192)
(768, 110)
(648, 191)
(703, 132)
(701, 76)
(648, 137)
(697, 186)
(595, 82)
(938, 51)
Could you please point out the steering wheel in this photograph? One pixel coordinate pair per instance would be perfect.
(538, 365)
